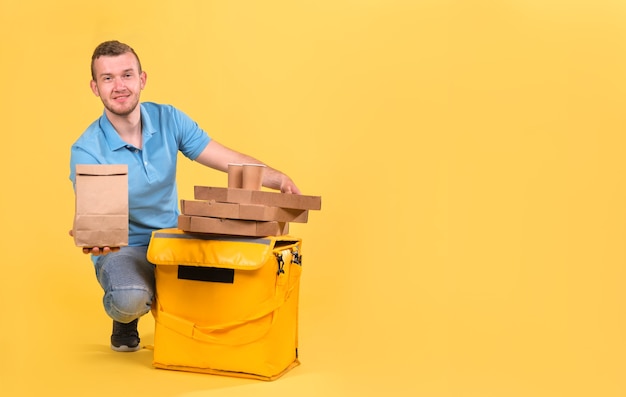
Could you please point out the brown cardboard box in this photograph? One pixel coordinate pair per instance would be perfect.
(255, 212)
(270, 199)
(209, 208)
(201, 224)
(261, 212)
(101, 214)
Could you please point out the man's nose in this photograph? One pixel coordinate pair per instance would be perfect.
(119, 84)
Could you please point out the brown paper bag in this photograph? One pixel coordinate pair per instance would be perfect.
(101, 217)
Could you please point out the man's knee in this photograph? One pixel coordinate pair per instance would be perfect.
(128, 304)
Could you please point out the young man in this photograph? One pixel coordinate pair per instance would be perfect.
(147, 137)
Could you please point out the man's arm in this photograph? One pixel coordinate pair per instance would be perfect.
(218, 156)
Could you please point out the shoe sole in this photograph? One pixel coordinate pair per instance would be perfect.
(125, 349)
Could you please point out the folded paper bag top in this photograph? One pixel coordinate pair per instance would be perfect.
(101, 216)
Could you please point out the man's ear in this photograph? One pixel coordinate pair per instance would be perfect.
(143, 77)
(94, 88)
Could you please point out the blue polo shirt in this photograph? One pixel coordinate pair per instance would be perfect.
(152, 193)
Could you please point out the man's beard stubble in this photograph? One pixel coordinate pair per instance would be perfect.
(126, 111)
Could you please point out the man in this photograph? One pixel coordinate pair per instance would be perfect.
(147, 137)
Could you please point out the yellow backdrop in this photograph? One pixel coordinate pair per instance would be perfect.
(469, 155)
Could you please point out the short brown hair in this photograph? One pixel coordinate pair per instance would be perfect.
(110, 49)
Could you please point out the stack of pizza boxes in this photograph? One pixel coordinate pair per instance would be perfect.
(242, 208)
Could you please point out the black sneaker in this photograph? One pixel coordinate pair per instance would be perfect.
(125, 337)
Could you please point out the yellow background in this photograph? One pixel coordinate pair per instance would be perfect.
(470, 157)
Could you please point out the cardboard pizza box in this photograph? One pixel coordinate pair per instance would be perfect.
(270, 199)
(255, 212)
(202, 224)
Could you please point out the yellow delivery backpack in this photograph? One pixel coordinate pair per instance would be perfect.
(226, 305)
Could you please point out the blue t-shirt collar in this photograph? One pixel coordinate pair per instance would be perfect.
(112, 137)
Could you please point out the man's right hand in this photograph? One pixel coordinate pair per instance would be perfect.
(96, 251)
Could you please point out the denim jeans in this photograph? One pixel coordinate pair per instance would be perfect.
(127, 279)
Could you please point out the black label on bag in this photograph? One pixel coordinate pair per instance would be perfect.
(210, 274)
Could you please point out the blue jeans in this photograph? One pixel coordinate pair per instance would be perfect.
(127, 279)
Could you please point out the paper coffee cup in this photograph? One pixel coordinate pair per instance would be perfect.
(235, 175)
(253, 176)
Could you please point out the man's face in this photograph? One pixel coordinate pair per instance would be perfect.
(118, 83)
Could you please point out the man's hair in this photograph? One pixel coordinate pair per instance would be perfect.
(111, 49)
